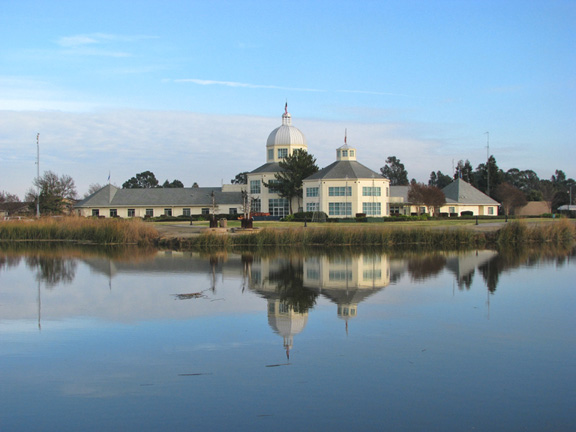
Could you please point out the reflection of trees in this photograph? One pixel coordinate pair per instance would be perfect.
(53, 270)
(289, 281)
(423, 267)
(511, 258)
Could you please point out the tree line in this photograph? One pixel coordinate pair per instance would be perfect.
(512, 188)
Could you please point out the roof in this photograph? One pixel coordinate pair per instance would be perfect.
(270, 167)
(286, 134)
(345, 169)
(112, 196)
(400, 192)
(460, 192)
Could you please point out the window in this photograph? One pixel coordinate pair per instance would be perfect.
(149, 212)
(167, 212)
(372, 208)
(312, 192)
(270, 154)
(340, 275)
(351, 153)
(340, 191)
(490, 210)
(233, 211)
(256, 205)
(338, 154)
(311, 207)
(282, 153)
(313, 274)
(254, 186)
(372, 274)
(95, 212)
(344, 153)
(278, 207)
(113, 213)
(186, 212)
(452, 210)
(371, 191)
(273, 186)
(131, 212)
(340, 209)
(205, 211)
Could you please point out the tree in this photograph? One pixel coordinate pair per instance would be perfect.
(488, 176)
(144, 180)
(174, 184)
(510, 197)
(294, 169)
(465, 171)
(428, 196)
(439, 180)
(6, 197)
(241, 178)
(55, 191)
(395, 172)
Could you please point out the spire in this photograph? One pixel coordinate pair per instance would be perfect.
(286, 117)
(345, 136)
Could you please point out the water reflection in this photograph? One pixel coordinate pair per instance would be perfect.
(137, 338)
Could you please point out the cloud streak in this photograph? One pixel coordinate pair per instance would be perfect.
(236, 84)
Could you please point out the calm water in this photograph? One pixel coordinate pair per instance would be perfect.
(145, 341)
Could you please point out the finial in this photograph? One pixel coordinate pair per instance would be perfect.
(345, 136)
(286, 107)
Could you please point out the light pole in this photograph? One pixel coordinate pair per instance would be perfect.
(38, 175)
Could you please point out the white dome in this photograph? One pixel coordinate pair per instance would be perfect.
(286, 135)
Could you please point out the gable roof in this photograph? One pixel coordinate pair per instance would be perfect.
(460, 192)
(270, 167)
(110, 196)
(344, 169)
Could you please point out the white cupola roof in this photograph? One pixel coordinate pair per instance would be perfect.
(286, 135)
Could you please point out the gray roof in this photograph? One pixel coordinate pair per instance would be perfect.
(112, 196)
(400, 191)
(270, 167)
(461, 192)
(344, 169)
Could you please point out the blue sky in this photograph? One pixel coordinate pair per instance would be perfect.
(191, 89)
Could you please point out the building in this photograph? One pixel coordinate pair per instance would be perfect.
(282, 142)
(343, 189)
(111, 201)
(460, 197)
(346, 188)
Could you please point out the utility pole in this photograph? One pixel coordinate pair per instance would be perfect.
(38, 175)
(488, 163)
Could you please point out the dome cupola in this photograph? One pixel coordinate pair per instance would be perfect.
(283, 140)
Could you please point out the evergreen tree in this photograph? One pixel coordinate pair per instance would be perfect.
(395, 172)
(295, 168)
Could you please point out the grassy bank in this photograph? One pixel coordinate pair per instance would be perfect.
(517, 232)
(101, 231)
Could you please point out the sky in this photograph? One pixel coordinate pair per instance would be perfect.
(190, 90)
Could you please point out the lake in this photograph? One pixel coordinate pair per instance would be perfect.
(141, 340)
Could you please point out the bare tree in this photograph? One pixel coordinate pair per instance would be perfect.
(429, 196)
(510, 197)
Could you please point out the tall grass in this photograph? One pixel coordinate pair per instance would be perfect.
(519, 232)
(101, 231)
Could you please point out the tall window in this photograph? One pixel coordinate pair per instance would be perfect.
(256, 206)
(372, 208)
(167, 212)
(340, 191)
(131, 212)
(490, 210)
(282, 153)
(149, 213)
(255, 186)
(270, 154)
(312, 192)
(95, 212)
(113, 213)
(278, 207)
(340, 209)
(344, 153)
(371, 191)
(185, 212)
